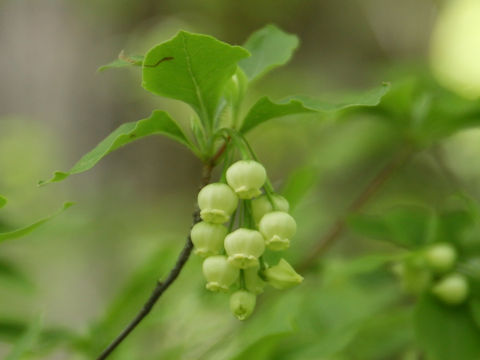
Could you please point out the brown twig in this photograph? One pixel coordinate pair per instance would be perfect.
(368, 192)
(184, 255)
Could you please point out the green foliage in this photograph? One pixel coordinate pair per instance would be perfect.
(192, 68)
(298, 184)
(17, 233)
(356, 310)
(158, 123)
(3, 201)
(425, 112)
(446, 332)
(11, 273)
(26, 341)
(269, 47)
(407, 226)
(265, 109)
(123, 61)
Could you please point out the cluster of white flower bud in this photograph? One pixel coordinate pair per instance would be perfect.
(233, 260)
(434, 269)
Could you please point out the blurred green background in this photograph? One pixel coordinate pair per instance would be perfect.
(88, 271)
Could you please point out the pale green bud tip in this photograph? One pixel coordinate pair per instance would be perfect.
(282, 276)
(208, 238)
(441, 257)
(452, 289)
(262, 205)
(242, 304)
(278, 228)
(246, 177)
(220, 275)
(244, 247)
(217, 202)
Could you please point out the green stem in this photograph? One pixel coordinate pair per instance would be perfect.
(232, 221)
(242, 280)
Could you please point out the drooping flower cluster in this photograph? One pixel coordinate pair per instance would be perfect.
(234, 259)
(434, 270)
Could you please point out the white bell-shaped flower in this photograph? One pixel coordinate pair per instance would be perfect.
(244, 247)
(278, 228)
(208, 238)
(242, 304)
(452, 289)
(217, 202)
(246, 177)
(219, 273)
(262, 206)
(441, 257)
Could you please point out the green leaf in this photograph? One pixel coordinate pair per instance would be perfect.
(13, 234)
(265, 109)
(408, 225)
(270, 47)
(299, 184)
(11, 329)
(123, 61)
(3, 201)
(446, 332)
(13, 274)
(192, 68)
(27, 341)
(475, 309)
(158, 123)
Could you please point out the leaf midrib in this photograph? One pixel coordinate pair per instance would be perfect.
(198, 92)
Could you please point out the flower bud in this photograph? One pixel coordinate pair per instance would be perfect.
(452, 289)
(243, 247)
(217, 202)
(415, 276)
(262, 205)
(282, 276)
(242, 304)
(219, 273)
(441, 257)
(246, 177)
(277, 227)
(253, 282)
(208, 238)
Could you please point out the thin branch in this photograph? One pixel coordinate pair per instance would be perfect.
(368, 192)
(162, 286)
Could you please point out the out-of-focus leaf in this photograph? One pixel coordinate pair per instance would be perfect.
(127, 302)
(475, 309)
(192, 68)
(12, 329)
(262, 349)
(158, 123)
(446, 332)
(299, 184)
(335, 309)
(265, 109)
(13, 234)
(3, 201)
(27, 341)
(11, 273)
(266, 325)
(407, 226)
(425, 111)
(123, 61)
(383, 336)
(270, 47)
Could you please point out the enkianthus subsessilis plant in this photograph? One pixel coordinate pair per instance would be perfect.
(241, 215)
(258, 221)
